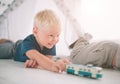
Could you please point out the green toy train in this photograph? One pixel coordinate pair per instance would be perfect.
(84, 70)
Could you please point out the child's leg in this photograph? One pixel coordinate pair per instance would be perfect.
(116, 60)
(6, 47)
(100, 54)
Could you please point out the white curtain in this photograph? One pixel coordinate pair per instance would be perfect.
(68, 9)
(7, 6)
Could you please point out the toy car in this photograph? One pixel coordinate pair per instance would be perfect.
(84, 70)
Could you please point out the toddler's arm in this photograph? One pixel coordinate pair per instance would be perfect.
(45, 62)
(32, 63)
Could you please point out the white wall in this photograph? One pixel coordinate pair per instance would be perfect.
(101, 18)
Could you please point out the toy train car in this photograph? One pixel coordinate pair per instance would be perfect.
(84, 70)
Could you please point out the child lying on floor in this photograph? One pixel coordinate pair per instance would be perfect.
(102, 53)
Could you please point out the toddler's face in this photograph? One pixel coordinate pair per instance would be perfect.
(48, 36)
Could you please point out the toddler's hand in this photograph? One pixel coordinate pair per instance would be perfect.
(30, 64)
(60, 65)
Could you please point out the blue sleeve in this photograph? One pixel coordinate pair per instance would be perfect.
(27, 45)
(21, 49)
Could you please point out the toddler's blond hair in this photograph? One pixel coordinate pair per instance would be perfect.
(46, 18)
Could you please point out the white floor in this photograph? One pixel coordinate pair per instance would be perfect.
(12, 72)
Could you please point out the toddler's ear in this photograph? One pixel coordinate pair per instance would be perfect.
(35, 30)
